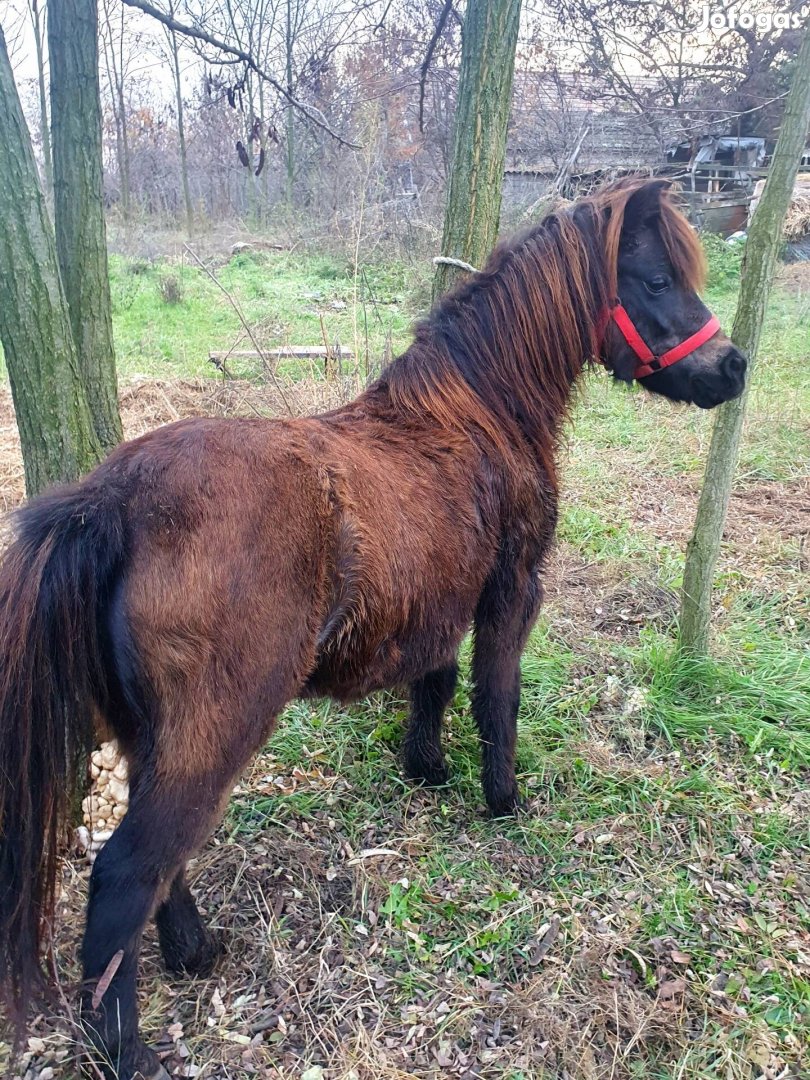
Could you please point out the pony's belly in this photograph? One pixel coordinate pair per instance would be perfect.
(348, 674)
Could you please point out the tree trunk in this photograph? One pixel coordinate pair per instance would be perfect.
(117, 101)
(488, 43)
(58, 440)
(81, 242)
(761, 252)
(38, 20)
(288, 41)
(181, 132)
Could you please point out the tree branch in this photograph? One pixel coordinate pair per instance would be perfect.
(315, 116)
(423, 71)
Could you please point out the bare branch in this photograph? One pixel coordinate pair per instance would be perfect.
(425, 68)
(234, 304)
(315, 116)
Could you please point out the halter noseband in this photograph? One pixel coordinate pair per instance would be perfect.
(650, 363)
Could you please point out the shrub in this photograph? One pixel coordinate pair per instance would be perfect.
(170, 288)
(724, 261)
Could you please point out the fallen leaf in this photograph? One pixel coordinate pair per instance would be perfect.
(103, 984)
(541, 948)
(672, 988)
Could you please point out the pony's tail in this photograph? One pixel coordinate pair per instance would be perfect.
(54, 583)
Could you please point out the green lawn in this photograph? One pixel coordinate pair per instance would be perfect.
(292, 299)
(649, 915)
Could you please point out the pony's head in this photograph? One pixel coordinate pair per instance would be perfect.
(655, 327)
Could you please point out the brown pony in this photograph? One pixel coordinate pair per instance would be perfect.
(213, 570)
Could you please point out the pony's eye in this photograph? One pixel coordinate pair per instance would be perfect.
(657, 284)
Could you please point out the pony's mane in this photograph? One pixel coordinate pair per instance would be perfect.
(504, 347)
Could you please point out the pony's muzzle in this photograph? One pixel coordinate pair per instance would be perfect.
(734, 365)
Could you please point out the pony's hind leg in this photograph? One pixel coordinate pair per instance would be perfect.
(168, 818)
(188, 947)
(422, 751)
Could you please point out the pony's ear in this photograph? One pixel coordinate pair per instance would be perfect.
(644, 205)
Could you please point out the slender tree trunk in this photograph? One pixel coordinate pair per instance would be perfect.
(181, 133)
(761, 252)
(264, 182)
(488, 44)
(58, 440)
(126, 188)
(290, 110)
(38, 20)
(81, 242)
(115, 77)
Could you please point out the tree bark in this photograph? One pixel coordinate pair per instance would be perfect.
(58, 440)
(81, 241)
(488, 44)
(761, 252)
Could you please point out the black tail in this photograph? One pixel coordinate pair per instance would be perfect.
(54, 583)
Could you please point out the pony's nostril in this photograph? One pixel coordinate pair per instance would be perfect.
(734, 363)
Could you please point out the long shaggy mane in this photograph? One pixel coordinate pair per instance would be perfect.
(502, 349)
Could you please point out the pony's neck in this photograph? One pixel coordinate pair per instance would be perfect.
(502, 352)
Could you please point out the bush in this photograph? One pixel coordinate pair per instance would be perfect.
(724, 261)
(170, 288)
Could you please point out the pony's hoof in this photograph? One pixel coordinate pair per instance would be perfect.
(200, 962)
(433, 775)
(508, 805)
(148, 1067)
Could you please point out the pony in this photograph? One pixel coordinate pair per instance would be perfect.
(207, 573)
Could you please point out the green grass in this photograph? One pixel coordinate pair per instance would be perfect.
(677, 839)
(282, 297)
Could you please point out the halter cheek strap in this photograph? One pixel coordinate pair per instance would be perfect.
(650, 363)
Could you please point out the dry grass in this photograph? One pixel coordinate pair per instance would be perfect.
(797, 219)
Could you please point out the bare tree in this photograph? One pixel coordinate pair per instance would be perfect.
(38, 14)
(114, 50)
(680, 81)
(169, 49)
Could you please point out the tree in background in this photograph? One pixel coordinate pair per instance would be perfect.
(59, 441)
(761, 251)
(81, 241)
(36, 9)
(488, 45)
(679, 79)
(173, 52)
(115, 41)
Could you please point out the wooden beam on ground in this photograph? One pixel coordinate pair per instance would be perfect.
(295, 352)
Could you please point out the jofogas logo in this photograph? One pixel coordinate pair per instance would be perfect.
(742, 18)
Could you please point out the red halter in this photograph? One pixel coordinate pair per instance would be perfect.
(650, 363)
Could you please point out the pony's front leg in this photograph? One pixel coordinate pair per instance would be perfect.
(506, 613)
(422, 752)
